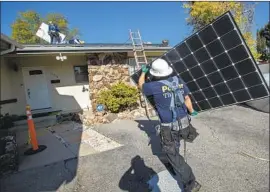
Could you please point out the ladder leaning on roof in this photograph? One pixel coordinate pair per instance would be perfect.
(140, 59)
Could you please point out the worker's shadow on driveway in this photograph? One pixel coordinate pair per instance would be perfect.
(137, 177)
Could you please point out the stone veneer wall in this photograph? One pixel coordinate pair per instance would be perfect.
(101, 76)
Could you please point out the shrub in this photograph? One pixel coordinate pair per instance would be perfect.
(6, 121)
(119, 97)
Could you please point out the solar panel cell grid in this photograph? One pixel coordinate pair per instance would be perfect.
(217, 66)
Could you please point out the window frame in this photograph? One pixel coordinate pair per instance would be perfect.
(75, 79)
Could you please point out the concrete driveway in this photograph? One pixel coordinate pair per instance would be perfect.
(230, 154)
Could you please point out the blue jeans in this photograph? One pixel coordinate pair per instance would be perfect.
(55, 37)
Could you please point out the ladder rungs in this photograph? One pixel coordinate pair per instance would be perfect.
(140, 58)
(136, 38)
(137, 41)
(139, 53)
(139, 62)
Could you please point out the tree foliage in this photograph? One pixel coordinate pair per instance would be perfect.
(261, 43)
(203, 12)
(27, 23)
(25, 27)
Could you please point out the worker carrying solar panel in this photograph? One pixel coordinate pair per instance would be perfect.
(174, 107)
(54, 33)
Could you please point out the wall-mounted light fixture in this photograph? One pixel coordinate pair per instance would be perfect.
(61, 58)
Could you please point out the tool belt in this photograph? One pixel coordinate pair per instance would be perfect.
(179, 124)
(183, 125)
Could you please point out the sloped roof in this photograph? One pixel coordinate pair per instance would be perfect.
(7, 43)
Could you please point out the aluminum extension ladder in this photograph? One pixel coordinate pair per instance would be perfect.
(140, 59)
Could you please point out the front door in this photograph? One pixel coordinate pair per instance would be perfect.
(36, 89)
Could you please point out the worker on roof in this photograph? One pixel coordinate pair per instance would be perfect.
(75, 40)
(54, 33)
(174, 107)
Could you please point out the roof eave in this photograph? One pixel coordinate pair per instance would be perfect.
(10, 41)
(93, 50)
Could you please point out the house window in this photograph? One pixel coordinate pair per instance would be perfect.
(132, 66)
(81, 74)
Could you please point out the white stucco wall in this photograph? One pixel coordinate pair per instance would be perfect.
(66, 95)
(7, 88)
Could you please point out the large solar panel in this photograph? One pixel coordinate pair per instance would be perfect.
(217, 66)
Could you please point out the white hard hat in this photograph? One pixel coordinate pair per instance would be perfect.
(160, 68)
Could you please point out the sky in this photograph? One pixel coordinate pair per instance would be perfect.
(109, 22)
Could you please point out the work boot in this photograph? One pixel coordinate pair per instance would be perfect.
(196, 187)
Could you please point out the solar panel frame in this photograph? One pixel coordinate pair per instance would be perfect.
(249, 52)
(189, 45)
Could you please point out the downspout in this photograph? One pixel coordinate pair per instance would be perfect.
(11, 49)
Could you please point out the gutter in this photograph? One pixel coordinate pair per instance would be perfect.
(11, 49)
(13, 44)
(76, 49)
(10, 41)
(48, 52)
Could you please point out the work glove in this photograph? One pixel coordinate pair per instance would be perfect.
(145, 69)
(194, 113)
